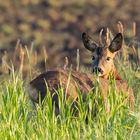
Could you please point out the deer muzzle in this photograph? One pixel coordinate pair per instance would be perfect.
(98, 71)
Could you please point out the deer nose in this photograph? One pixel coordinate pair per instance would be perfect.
(98, 70)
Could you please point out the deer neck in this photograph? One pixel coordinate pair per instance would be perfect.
(115, 74)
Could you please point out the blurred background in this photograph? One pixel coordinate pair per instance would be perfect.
(48, 31)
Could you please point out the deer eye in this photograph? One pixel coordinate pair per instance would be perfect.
(108, 58)
(93, 57)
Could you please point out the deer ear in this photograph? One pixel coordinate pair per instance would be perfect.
(88, 42)
(116, 43)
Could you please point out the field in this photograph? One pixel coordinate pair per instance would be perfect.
(31, 38)
(19, 121)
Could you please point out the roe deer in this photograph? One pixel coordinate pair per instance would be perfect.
(102, 66)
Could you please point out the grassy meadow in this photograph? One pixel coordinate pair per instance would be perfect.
(19, 121)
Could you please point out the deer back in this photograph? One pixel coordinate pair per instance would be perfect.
(71, 82)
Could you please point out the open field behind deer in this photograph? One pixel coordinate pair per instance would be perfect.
(55, 26)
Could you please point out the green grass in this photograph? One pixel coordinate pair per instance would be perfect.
(19, 121)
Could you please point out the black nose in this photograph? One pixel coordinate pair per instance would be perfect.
(98, 70)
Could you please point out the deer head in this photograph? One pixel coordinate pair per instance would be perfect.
(103, 54)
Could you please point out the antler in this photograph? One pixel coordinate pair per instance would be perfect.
(108, 37)
(100, 37)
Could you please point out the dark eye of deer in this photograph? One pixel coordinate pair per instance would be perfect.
(108, 58)
(93, 57)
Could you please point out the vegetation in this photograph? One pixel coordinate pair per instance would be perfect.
(19, 121)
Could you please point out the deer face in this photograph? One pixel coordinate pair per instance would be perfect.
(102, 58)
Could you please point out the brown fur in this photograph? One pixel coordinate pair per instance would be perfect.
(59, 77)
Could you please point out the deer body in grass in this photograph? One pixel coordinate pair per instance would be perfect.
(102, 66)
